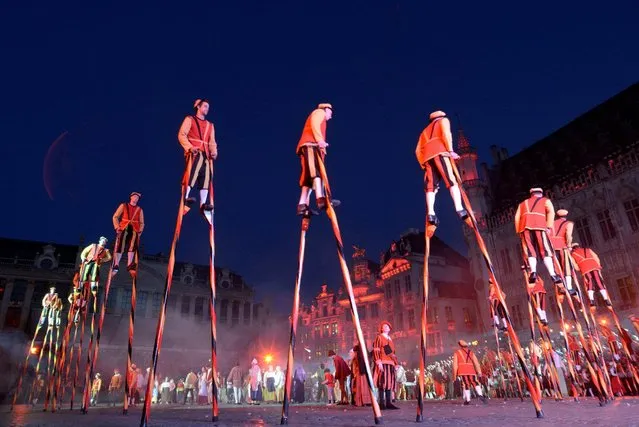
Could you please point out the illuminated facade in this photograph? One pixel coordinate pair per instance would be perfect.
(589, 167)
(393, 292)
(28, 268)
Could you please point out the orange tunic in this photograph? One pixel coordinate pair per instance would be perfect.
(126, 215)
(534, 213)
(432, 142)
(586, 259)
(562, 233)
(380, 350)
(314, 129)
(465, 363)
(199, 134)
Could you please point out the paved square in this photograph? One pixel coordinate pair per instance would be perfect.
(621, 412)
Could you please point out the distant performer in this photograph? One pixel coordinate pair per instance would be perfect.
(590, 266)
(93, 256)
(497, 309)
(466, 368)
(197, 137)
(562, 243)
(534, 220)
(311, 148)
(128, 221)
(435, 155)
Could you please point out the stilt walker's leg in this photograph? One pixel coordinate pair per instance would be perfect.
(85, 292)
(129, 359)
(46, 342)
(472, 222)
(349, 288)
(56, 371)
(86, 394)
(215, 410)
(146, 409)
(306, 221)
(501, 364)
(429, 232)
(53, 342)
(26, 361)
(512, 354)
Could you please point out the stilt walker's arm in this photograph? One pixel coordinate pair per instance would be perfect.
(349, 288)
(294, 321)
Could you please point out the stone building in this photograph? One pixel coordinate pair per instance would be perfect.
(591, 168)
(28, 268)
(393, 292)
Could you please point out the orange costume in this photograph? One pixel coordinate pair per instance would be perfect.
(590, 266)
(435, 155)
(385, 360)
(93, 256)
(128, 221)
(197, 137)
(466, 367)
(534, 217)
(311, 148)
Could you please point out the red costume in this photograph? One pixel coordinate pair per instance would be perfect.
(342, 372)
(562, 242)
(466, 367)
(384, 360)
(590, 266)
(534, 217)
(311, 148)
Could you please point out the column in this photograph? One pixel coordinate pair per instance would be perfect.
(6, 298)
(26, 305)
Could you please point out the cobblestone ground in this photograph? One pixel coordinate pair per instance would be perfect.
(621, 412)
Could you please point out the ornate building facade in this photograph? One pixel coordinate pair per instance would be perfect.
(589, 167)
(28, 268)
(392, 291)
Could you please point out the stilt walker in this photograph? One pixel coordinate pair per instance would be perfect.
(197, 137)
(47, 300)
(435, 155)
(512, 358)
(128, 222)
(312, 148)
(94, 255)
(54, 318)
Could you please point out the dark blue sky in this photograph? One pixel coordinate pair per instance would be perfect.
(121, 78)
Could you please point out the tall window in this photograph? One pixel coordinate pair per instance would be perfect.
(361, 310)
(247, 313)
(140, 303)
(199, 308)
(389, 290)
(583, 231)
(449, 313)
(156, 301)
(327, 330)
(400, 321)
(517, 316)
(224, 307)
(408, 285)
(125, 299)
(374, 310)
(324, 311)
(605, 223)
(627, 292)
(411, 319)
(505, 261)
(468, 320)
(334, 329)
(317, 332)
(186, 306)
(632, 211)
(432, 315)
(235, 313)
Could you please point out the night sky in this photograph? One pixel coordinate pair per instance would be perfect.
(120, 79)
